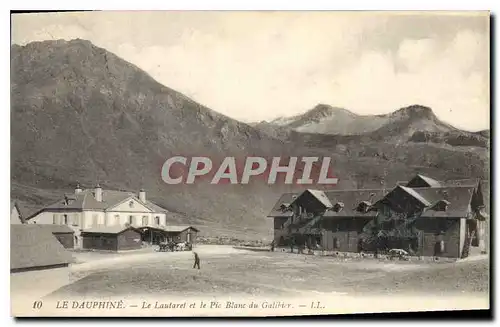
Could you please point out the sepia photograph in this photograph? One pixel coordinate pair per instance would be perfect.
(249, 163)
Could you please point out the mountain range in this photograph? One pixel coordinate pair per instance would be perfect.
(81, 113)
(413, 123)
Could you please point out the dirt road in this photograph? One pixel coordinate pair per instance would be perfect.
(225, 270)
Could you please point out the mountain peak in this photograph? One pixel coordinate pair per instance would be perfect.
(325, 110)
(415, 111)
(322, 108)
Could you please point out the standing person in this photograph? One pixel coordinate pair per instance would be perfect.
(196, 260)
(272, 246)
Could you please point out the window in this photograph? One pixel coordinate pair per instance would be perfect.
(65, 219)
(75, 221)
(131, 204)
(144, 220)
(157, 220)
(95, 219)
(336, 243)
(117, 219)
(439, 248)
(130, 220)
(54, 219)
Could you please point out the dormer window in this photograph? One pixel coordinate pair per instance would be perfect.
(363, 206)
(284, 207)
(338, 207)
(441, 205)
(68, 200)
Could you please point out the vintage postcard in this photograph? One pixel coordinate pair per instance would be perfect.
(249, 163)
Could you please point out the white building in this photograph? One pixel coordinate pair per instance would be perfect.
(85, 209)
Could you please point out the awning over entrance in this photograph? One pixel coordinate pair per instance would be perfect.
(151, 234)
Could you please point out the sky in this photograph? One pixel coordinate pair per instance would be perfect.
(255, 66)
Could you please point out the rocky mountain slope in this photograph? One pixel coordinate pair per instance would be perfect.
(80, 113)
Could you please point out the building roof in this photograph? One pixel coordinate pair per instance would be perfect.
(143, 228)
(285, 198)
(423, 181)
(32, 246)
(155, 207)
(115, 229)
(178, 229)
(85, 200)
(459, 195)
(415, 195)
(56, 229)
(459, 198)
(321, 197)
(351, 200)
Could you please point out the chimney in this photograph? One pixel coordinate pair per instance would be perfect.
(78, 189)
(142, 195)
(98, 193)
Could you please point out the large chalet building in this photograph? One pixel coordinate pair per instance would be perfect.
(423, 216)
(92, 208)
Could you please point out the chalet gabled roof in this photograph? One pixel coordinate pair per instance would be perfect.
(321, 196)
(415, 195)
(459, 194)
(459, 198)
(422, 181)
(32, 246)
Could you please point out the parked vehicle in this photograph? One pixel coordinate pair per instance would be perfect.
(398, 253)
(173, 246)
